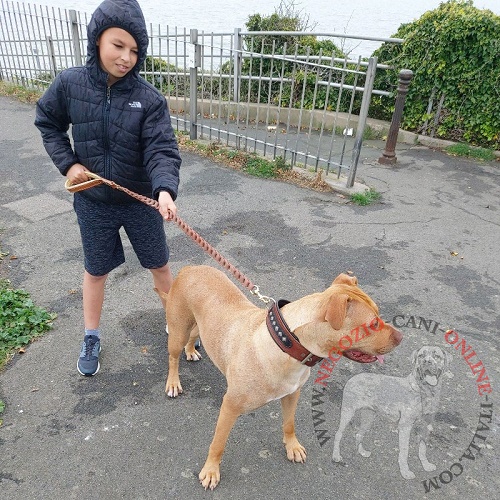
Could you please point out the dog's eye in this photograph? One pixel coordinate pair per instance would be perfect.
(376, 324)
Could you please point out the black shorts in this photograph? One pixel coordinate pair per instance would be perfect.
(100, 224)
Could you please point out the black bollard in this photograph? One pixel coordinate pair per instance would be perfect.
(389, 156)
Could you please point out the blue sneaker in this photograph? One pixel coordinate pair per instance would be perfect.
(88, 362)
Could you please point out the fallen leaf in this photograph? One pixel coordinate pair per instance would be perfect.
(72, 291)
(144, 350)
(22, 350)
(13, 257)
(453, 254)
(350, 272)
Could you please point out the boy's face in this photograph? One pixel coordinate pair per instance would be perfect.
(117, 53)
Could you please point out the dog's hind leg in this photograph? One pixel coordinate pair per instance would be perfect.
(295, 452)
(229, 412)
(366, 415)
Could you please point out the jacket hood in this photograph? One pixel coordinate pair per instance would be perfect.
(124, 14)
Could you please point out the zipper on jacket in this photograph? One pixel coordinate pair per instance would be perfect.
(107, 152)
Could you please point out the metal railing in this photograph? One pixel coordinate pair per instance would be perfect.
(264, 92)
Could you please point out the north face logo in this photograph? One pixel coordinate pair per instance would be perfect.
(135, 104)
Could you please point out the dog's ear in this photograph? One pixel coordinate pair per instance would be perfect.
(344, 279)
(336, 310)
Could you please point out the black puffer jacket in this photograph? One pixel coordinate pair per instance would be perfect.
(122, 132)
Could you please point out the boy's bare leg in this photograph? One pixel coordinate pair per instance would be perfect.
(93, 298)
(162, 278)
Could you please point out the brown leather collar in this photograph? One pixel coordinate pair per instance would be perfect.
(285, 339)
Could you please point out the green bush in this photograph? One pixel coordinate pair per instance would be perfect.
(303, 92)
(165, 77)
(454, 54)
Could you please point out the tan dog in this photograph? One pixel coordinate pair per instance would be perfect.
(204, 302)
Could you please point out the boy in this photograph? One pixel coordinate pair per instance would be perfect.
(121, 130)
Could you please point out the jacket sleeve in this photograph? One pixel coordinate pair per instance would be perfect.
(160, 150)
(53, 122)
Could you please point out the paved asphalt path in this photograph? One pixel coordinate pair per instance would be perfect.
(427, 253)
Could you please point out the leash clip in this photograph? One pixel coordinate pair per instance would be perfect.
(255, 291)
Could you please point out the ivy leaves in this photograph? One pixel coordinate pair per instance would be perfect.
(453, 52)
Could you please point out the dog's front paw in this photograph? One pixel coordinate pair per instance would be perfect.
(209, 476)
(295, 452)
(173, 387)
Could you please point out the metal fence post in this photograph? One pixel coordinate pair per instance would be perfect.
(52, 56)
(389, 155)
(363, 115)
(75, 35)
(237, 75)
(194, 64)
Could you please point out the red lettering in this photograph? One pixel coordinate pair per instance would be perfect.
(327, 365)
(365, 329)
(322, 376)
(478, 369)
(463, 344)
(484, 389)
(356, 334)
(448, 334)
(470, 355)
(342, 347)
(482, 377)
(475, 368)
(334, 350)
(357, 330)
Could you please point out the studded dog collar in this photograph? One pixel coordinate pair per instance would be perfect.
(285, 339)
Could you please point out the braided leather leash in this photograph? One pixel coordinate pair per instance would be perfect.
(96, 180)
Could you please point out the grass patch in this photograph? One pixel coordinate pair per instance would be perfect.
(260, 167)
(252, 163)
(371, 134)
(19, 92)
(365, 198)
(468, 151)
(20, 320)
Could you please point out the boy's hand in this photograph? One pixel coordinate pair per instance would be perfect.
(76, 174)
(168, 210)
